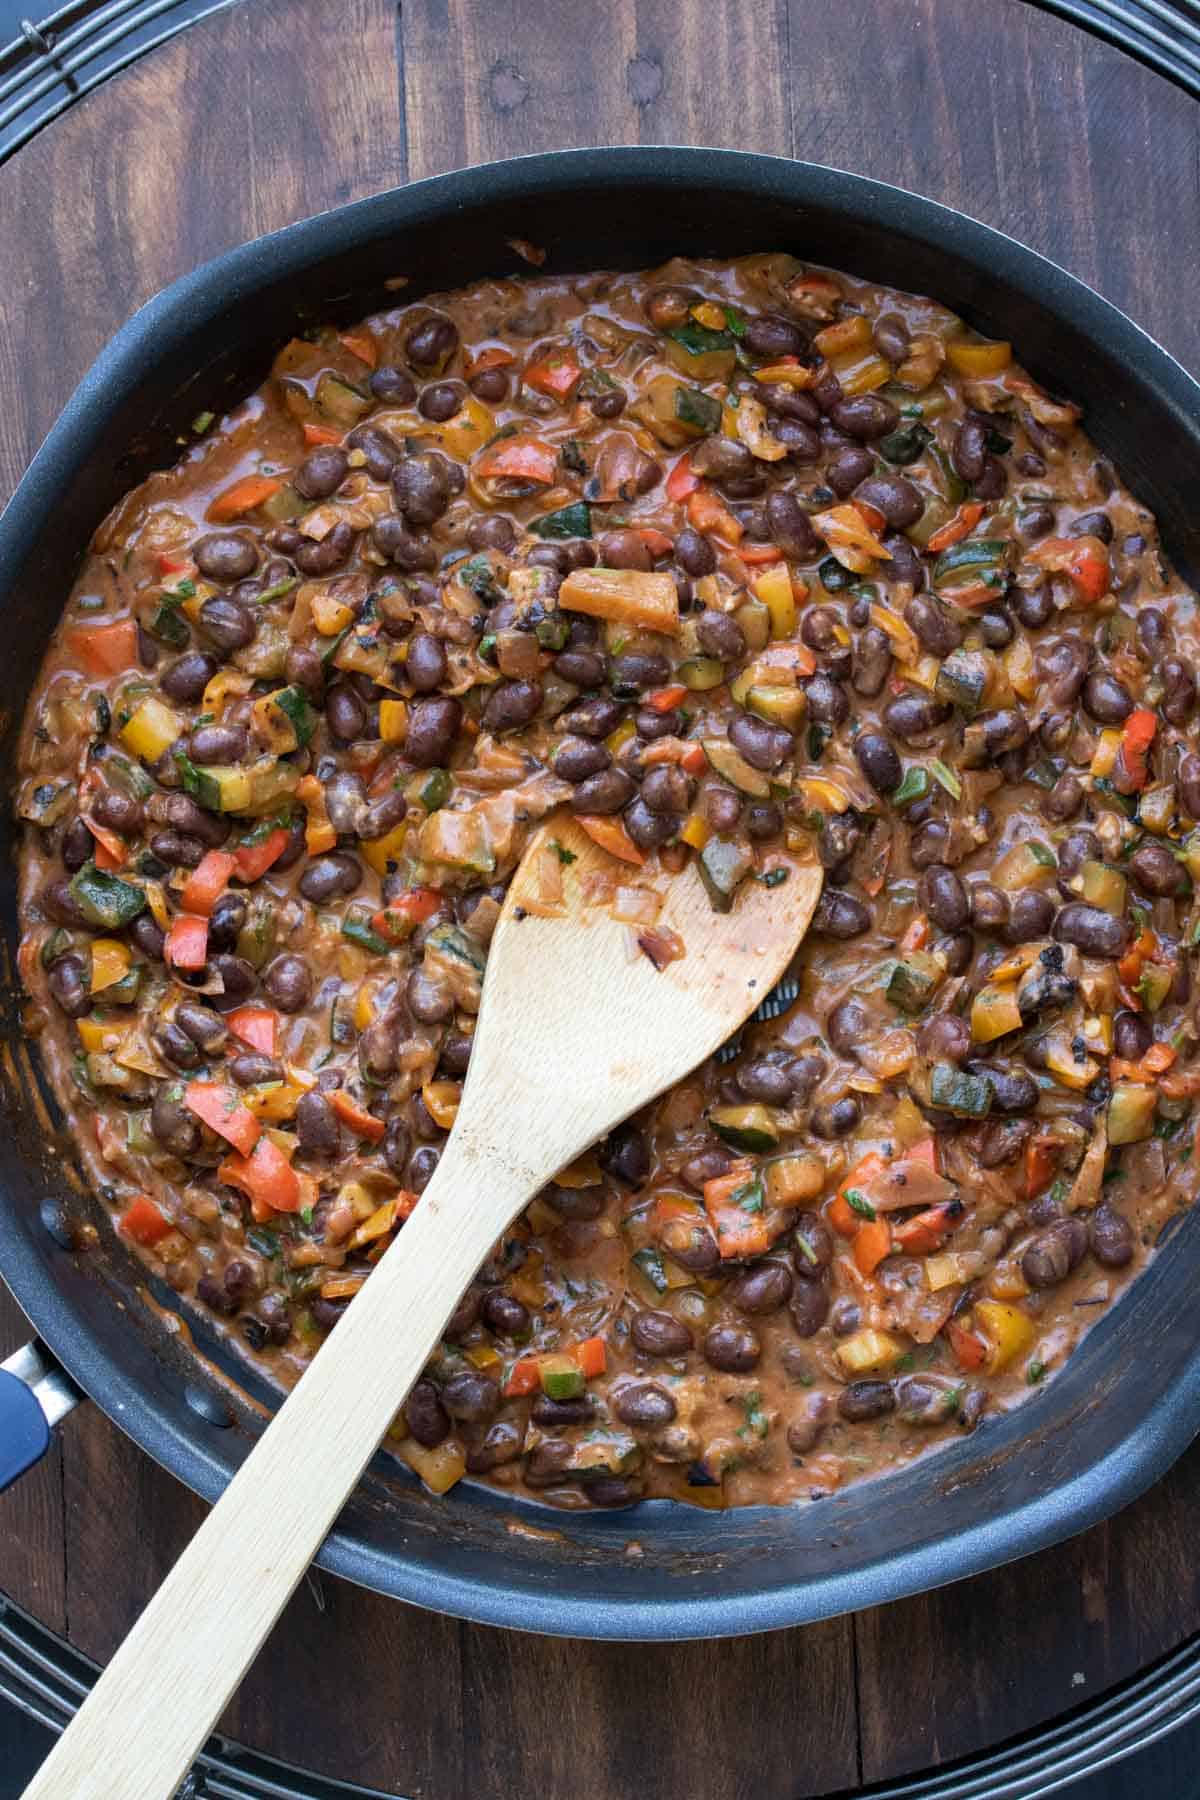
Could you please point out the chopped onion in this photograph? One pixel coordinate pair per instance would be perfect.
(637, 905)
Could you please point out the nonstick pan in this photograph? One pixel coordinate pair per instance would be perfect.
(1128, 1400)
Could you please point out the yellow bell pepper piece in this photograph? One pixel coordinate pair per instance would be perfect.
(464, 434)
(330, 616)
(976, 360)
(484, 1356)
(946, 1269)
(376, 1226)
(616, 740)
(1008, 1330)
(152, 729)
(438, 1468)
(584, 1172)
(110, 963)
(710, 315)
(993, 1013)
(861, 374)
(225, 684)
(869, 1352)
(98, 1035)
(696, 831)
(774, 589)
(272, 727)
(380, 851)
(274, 1104)
(393, 721)
(442, 1101)
(1105, 754)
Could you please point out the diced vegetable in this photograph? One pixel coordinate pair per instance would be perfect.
(732, 765)
(611, 835)
(745, 1127)
(962, 679)
(438, 1468)
(978, 359)
(244, 496)
(953, 1090)
(144, 1221)
(186, 945)
(1104, 887)
(151, 730)
(634, 597)
(356, 1117)
(110, 963)
(736, 1207)
(723, 865)
(257, 1026)
(994, 1012)
(913, 982)
(265, 1176)
(574, 521)
(105, 899)
(104, 649)
(869, 1352)
(220, 1108)
(254, 858)
(1131, 1113)
(1009, 1332)
(560, 1376)
(206, 883)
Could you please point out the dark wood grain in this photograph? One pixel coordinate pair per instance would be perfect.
(278, 108)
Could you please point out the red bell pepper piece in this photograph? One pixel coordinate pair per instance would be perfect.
(265, 1176)
(257, 1026)
(1136, 739)
(104, 649)
(186, 945)
(144, 1221)
(253, 860)
(682, 481)
(522, 1378)
(968, 1347)
(220, 1108)
(555, 375)
(956, 529)
(592, 1356)
(112, 852)
(206, 883)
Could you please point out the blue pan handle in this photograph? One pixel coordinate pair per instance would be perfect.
(34, 1395)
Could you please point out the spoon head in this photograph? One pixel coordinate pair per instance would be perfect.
(586, 1017)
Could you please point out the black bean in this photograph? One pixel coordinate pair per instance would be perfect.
(316, 1123)
(625, 1155)
(764, 746)
(188, 676)
(77, 845)
(441, 400)
(432, 728)
(555, 1415)
(828, 703)
(429, 1002)
(694, 552)
(836, 1118)
(847, 1025)
(1092, 524)
(812, 1246)
(989, 907)
(1064, 799)
(788, 403)
(67, 981)
(201, 1025)
(383, 815)
(238, 976)
(322, 472)
(577, 1203)
(149, 936)
(789, 525)
(723, 459)
(872, 660)
(471, 1397)
(1106, 699)
(895, 496)
(763, 820)
(969, 452)
(762, 1289)
(288, 980)
(1094, 932)
(691, 1244)
(1156, 871)
(992, 484)
(660, 1334)
(1110, 1237)
(328, 877)
(323, 557)
(1031, 916)
(432, 342)
(1132, 1035)
(177, 849)
(511, 705)
(762, 1078)
(666, 789)
(594, 718)
(891, 337)
(410, 550)
(939, 632)
(393, 385)
(583, 668)
(420, 1168)
(878, 761)
(944, 897)
(505, 1315)
(547, 1463)
(721, 636)
(847, 469)
(770, 336)
(1054, 1252)
(643, 1404)
(706, 1165)
(1189, 784)
(913, 716)
(722, 809)
(929, 844)
(426, 1416)
(944, 1038)
(809, 1305)
(865, 416)
(251, 1069)
(840, 915)
(226, 555)
(1179, 695)
(866, 1400)
(1033, 606)
(1153, 634)
(420, 486)
(609, 791)
(578, 758)
(731, 1348)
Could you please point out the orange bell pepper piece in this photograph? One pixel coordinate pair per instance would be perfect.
(555, 375)
(220, 1108)
(739, 1233)
(1084, 560)
(357, 1117)
(243, 497)
(592, 1356)
(207, 882)
(707, 513)
(1041, 1160)
(104, 649)
(112, 852)
(611, 835)
(519, 459)
(362, 345)
(758, 555)
(666, 699)
(926, 1231)
(872, 1242)
(1136, 739)
(957, 528)
(186, 945)
(969, 1349)
(522, 1378)
(682, 481)
(320, 434)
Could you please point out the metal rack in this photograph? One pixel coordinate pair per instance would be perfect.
(56, 60)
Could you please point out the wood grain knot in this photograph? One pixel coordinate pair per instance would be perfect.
(645, 79)
(509, 88)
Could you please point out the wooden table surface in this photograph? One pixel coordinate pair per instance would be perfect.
(274, 109)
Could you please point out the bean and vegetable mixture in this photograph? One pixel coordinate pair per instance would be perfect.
(725, 558)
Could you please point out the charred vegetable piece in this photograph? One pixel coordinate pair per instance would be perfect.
(723, 868)
(745, 1127)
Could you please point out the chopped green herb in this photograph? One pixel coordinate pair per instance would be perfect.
(859, 1203)
(564, 856)
(772, 878)
(751, 1196)
(915, 786)
(1042, 854)
(201, 422)
(1035, 1371)
(945, 777)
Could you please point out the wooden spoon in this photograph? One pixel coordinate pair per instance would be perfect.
(577, 1029)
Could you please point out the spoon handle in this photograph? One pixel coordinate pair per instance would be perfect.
(150, 1712)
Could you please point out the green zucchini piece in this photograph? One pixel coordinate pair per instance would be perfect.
(358, 930)
(904, 445)
(574, 521)
(104, 899)
(913, 982)
(561, 1377)
(293, 703)
(745, 1127)
(779, 705)
(953, 1090)
(700, 411)
(730, 763)
(723, 868)
(962, 679)
(977, 558)
(699, 673)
